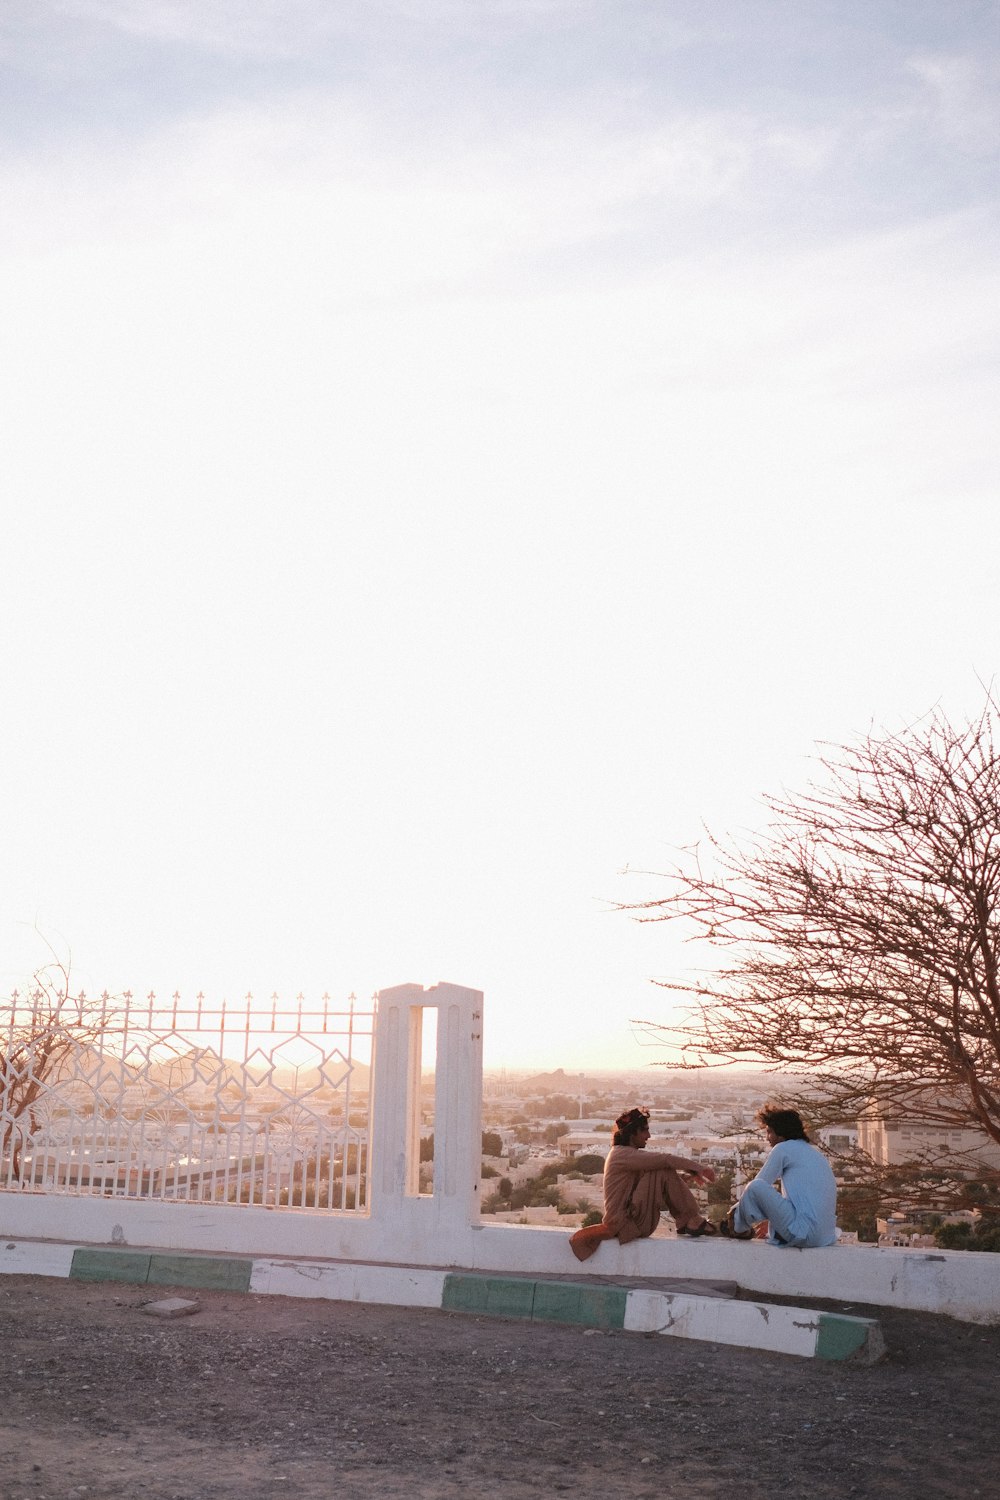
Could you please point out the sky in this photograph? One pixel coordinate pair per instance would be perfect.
(452, 452)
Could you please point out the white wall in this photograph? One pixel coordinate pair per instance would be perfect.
(443, 1229)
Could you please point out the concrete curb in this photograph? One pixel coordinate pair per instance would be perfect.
(748, 1325)
(677, 1314)
(757, 1325)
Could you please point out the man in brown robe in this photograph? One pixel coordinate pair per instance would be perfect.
(638, 1184)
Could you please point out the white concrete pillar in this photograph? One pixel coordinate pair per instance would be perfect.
(458, 1090)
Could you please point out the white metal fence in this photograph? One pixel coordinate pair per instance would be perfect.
(261, 1103)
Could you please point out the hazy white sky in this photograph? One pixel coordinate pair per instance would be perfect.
(451, 448)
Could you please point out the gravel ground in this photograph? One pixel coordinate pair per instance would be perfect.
(270, 1396)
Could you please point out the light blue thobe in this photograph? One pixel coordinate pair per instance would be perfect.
(806, 1216)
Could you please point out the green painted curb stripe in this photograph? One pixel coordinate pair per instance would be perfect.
(142, 1269)
(201, 1271)
(111, 1265)
(839, 1337)
(542, 1301)
(591, 1306)
(503, 1296)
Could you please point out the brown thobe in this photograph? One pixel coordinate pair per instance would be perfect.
(637, 1185)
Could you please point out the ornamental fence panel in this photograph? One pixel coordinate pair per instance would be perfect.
(226, 1104)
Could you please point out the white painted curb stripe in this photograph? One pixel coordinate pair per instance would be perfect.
(748, 1325)
(391, 1285)
(28, 1258)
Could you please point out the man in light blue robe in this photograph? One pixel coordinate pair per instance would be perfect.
(804, 1213)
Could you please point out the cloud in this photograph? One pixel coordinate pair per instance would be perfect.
(282, 28)
(962, 99)
(697, 127)
(267, 28)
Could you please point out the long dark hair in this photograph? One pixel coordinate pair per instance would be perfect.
(784, 1122)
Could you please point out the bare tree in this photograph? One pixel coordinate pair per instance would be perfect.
(42, 1032)
(861, 930)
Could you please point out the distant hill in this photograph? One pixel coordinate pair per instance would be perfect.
(202, 1063)
(561, 1082)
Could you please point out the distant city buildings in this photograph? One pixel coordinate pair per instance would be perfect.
(541, 1123)
(894, 1134)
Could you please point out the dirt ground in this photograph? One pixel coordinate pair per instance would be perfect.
(257, 1397)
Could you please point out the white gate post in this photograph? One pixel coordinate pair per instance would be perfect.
(393, 1170)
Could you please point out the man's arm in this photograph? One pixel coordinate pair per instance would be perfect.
(659, 1161)
(774, 1166)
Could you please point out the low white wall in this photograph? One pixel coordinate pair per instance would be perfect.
(417, 1233)
(961, 1284)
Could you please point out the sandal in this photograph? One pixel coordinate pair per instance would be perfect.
(728, 1230)
(706, 1227)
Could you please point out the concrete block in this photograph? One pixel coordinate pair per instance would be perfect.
(171, 1307)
